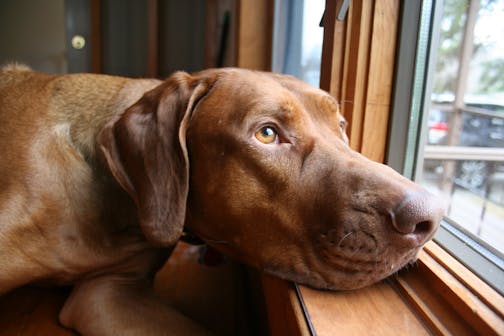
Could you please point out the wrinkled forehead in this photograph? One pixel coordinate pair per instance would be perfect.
(314, 99)
(248, 90)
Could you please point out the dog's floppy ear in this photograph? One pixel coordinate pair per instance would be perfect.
(145, 149)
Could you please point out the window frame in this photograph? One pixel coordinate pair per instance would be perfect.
(419, 29)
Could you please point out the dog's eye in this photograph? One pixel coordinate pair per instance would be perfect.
(343, 125)
(266, 135)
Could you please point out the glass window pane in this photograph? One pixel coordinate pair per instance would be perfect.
(464, 154)
(297, 39)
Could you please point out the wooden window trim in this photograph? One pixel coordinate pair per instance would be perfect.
(357, 69)
(448, 297)
(438, 295)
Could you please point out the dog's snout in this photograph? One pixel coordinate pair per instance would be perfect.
(419, 213)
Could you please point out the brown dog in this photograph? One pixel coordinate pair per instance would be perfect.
(99, 175)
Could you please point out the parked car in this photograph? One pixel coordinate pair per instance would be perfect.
(483, 130)
(478, 130)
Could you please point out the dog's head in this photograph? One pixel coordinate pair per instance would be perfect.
(258, 165)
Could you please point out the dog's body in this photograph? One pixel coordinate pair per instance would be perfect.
(53, 191)
(97, 182)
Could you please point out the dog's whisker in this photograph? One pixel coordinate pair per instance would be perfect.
(344, 237)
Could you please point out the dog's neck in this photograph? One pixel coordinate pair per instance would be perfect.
(191, 238)
(94, 100)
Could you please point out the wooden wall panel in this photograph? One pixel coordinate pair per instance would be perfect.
(96, 49)
(152, 39)
(255, 31)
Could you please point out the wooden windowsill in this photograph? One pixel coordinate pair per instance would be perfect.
(375, 310)
(438, 296)
(449, 298)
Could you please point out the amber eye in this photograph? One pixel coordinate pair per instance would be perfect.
(266, 135)
(343, 125)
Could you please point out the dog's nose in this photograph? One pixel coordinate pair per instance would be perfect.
(419, 213)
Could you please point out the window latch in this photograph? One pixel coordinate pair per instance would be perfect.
(343, 9)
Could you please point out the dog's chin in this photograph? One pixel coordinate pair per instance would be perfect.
(331, 275)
